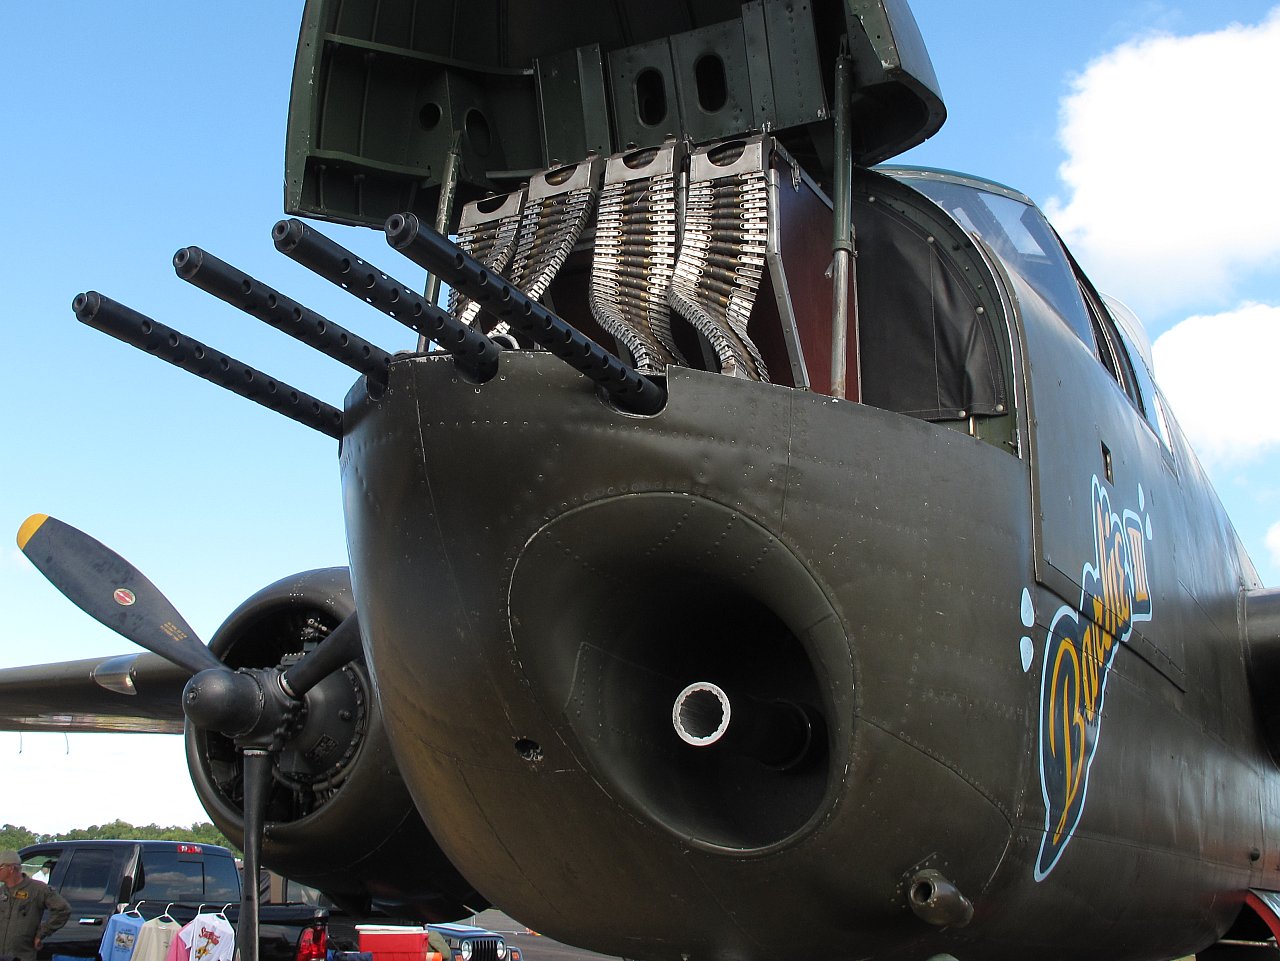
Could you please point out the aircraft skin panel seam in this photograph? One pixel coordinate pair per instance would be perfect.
(466, 783)
(992, 798)
(725, 909)
(426, 474)
(1111, 841)
(786, 470)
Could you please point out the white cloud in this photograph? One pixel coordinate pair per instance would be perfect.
(1171, 144)
(1218, 372)
(1273, 543)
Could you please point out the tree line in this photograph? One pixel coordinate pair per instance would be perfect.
(14, 837)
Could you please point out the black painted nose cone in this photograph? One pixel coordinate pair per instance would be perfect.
(222, 700)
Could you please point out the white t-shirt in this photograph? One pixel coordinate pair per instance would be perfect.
(209, 937)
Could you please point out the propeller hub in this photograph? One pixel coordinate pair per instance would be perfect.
(247, 705)
(222, 700)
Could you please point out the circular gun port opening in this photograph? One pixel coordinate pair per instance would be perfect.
(701, 714)
(619, 403)
(922, 892)
(700, 687)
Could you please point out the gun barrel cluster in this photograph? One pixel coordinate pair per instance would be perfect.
(426, 247)
(126, 324)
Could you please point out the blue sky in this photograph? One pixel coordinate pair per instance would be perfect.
(134, 134)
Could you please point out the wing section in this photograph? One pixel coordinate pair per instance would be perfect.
(140, 693)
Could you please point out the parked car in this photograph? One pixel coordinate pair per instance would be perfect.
(470, 943)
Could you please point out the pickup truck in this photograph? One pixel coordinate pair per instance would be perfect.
(99, 878)
(296, 923)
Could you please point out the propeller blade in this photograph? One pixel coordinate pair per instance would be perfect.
(257, 779)
(340, 647)
(112, 591)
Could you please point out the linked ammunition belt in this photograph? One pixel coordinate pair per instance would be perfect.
(528, 236)
(487, 232)
(559, 204)
(635, 255)
(550, 226)
(722, 253)
(645, 265)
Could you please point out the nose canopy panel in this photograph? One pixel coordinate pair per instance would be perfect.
(385, 91)
(619, 606)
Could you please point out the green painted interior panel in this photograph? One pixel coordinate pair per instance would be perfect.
(383, 90)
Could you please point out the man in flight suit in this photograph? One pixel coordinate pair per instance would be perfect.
(23, 903)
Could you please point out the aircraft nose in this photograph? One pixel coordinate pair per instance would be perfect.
(695, 659)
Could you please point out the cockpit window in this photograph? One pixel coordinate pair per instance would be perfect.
(1110, 350)
(1131, 335)
(926, 342)
(1021, 236)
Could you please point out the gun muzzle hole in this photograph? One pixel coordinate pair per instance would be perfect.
(702, 714)
(529, 749)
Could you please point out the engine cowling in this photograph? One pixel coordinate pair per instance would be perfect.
(339, 817)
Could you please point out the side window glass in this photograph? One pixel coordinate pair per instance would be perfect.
(1109, 347)
(1162, 421)
(1102, 349)
(40, 865)
(1131, 335)
(90, 876)
(297, 893)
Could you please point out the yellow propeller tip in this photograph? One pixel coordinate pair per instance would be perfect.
(28, 528)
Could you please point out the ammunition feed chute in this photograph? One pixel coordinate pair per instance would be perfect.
(722, 252)
(679, 237)
(635, 254)
(488, 233)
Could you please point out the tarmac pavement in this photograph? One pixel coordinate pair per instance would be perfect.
(533, 947)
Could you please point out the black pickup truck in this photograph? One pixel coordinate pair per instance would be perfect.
(99, 878)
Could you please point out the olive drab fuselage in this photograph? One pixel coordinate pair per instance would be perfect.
(987, 614)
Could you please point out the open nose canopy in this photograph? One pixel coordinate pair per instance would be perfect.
(383, 93)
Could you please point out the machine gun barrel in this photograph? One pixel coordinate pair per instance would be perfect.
(628, 387)
(126, 324)
(228, 283)
(472, 351)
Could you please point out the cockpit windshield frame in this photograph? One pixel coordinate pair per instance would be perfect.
(1028, 244)
(1013, 226)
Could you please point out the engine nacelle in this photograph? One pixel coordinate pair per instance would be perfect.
(339, 817)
